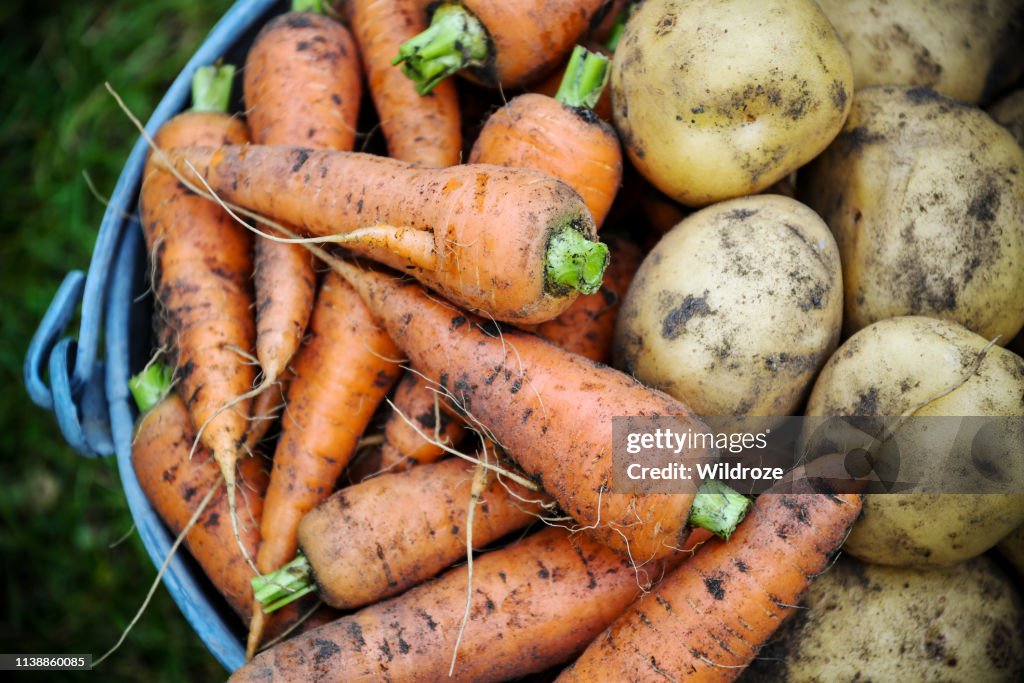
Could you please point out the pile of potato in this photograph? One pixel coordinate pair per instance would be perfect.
(856, 249)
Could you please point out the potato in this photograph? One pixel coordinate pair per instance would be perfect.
(719, 99)
(1009, 111)
(960, 49)
(1012, 548)
(735, 309)
(889, 369)
(925, 196)
(872, 623)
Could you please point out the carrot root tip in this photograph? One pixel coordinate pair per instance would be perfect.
(575, 262)
(211, 88)
(718, 508)
(454, 40)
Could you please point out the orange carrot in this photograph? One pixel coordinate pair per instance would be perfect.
(302, 86)
(707, 620)
(560, 136)
(175, 485)
(418, 129)
(360, 548)
(341, 374)
(588, 326)
(549, 409)
(535, 604)
(202, 267)
(496, 42)
(510, 242)
(429, 413)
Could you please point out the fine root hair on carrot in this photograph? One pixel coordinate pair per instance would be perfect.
(163, 568)
(517, 478)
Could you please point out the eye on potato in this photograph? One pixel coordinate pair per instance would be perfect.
(719, 99)
(865, 622)
(960, 49)
(735, 309)
(925, 196)
(901, 364)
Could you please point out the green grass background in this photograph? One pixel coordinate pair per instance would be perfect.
(67, 585)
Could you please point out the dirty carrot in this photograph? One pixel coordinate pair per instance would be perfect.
(495, 42)
(202, 269)
(174, 484)
(357, 549)
(424, 129)
(560, 136)
(341, 374)
(302, 86)
(588, 326)
(549, 409)
(414, 401)
(708, 619)
(511, 243)
(547, 595)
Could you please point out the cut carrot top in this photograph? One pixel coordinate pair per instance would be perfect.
(584, 80)
(211, 88)
(150, 386)
(455, 40)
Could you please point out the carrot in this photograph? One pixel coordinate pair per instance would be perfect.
(174, 484)
(341, 374)
(418, 129)
(427, 410)
(202, 267)
(359, 547)
(535, 603)
(560, 136)
(302, 86)
(496, 42)
(707, 620)
(549, 409)
(588, 326)
(510, 242)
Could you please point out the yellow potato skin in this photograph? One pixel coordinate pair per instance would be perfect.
(925, 196)
(715, 100)
(899, 366)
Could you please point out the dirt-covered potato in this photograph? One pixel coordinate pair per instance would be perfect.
(925, 196)
(960, 49)
(717, 99)
(864, 622)
(736, 308)
(1009, 111)
(1012, 548)
(930, 367)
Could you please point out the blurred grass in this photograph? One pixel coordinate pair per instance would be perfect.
(66, 587)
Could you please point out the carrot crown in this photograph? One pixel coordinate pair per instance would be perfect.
(211, 88)
(574, 262)
(584, 79)
(150, 386)
(718, 508)
(454, 40)
(289, 583)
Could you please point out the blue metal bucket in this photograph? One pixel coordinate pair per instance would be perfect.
(90, 396)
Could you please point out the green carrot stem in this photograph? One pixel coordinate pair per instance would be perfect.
(718, 508)
(574, 261)
(311, 6)
(150, 386)
(211, 88)
(454, 40)
(289, 583)
(584, 79)
(619, 27)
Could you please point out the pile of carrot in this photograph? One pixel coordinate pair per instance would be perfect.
(388, 387)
